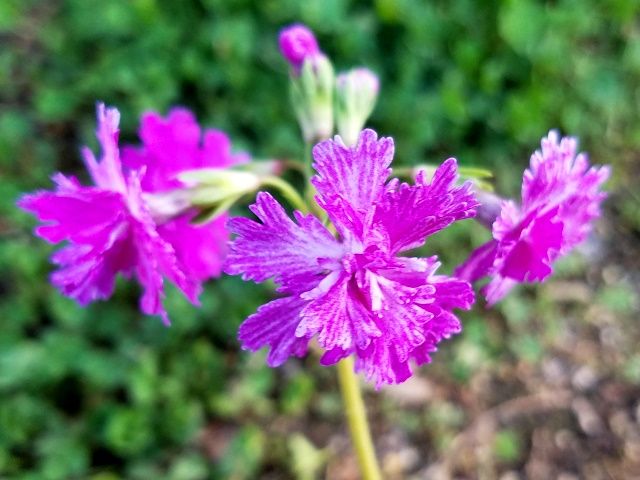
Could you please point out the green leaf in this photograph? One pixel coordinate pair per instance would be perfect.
(306, 460)
(244, 455)
(507, 446)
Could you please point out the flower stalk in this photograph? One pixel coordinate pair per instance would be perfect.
(288, 192)
(357, 418)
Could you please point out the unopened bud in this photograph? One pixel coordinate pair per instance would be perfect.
(489, 209)
(211, 185)
(214, 190)
(164, 206)
(312, 97)
(356, 95)
(297, 42)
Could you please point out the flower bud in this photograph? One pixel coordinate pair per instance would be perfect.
(297, 42)
(356, 95)
(211, 185)
(312, 97)
(210, 191)
(214, 190)
(167, 205)
(489, 209)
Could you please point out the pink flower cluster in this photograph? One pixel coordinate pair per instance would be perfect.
(343, 281)
(111, 226)
(561, 196)
(354, 294)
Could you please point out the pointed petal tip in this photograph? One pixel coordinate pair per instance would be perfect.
(109, 116)
(450, 165)
(26, 200)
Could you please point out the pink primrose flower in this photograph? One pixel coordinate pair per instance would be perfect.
(561, 196)
(353, 293)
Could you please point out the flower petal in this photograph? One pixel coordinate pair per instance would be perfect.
(386, 319)
(379, 363)
(350, 181)
(338, 318)
(529, 257)
(87, 273)
(280, 248)
(107, 173)
(73, 212)
(156, 257)
(416, 316)
(175, 144)
(561, 196)
(479, 262)
(557, 177)
(497, 288)
(412, 213)
(274, 325)
(200, 249)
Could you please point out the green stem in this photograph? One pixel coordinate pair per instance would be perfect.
(310, 191)
(288, 192)
(357, 418)
(306, 159)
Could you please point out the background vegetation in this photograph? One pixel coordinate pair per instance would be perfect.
(547, 384)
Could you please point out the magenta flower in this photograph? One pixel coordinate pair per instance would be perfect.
(112, 227)
(561, 196)
(297, 42)
(355, 294)
(173, 145)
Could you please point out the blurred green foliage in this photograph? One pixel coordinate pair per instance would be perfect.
(101, 392)
(507, 446)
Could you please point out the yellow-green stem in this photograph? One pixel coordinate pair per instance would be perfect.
(310, 191)
(306, 160)
(357, 419)
(290, 193)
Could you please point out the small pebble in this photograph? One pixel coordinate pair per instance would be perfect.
(584, 378)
